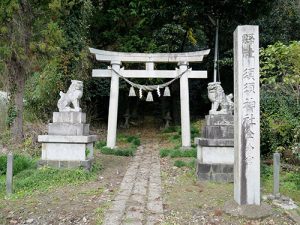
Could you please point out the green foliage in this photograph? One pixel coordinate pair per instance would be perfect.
(20, 163)
(45, 178)
(180, 163)
(280, 93)
(133, 142)
(289, 182)
(177, 153)
(164, 152)
(130, 151)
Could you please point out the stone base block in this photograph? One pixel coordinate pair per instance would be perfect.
(67, 151)
(215, 154)
(66, 129)
(69, 117)
(218, 132)
(218, 120)
(214, 172)
(249, 211)
(86, 164)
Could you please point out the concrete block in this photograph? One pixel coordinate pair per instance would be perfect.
(69, 117)
(86, 164)
(222, 168)
(63, 164)
(67, 139)
(218, 132)
(64, 151)
(204, 168)
(68, 129)
(218, 120)
(214, 142)
(204, 176)
(215, 155)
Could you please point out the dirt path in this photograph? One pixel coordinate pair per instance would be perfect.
(139, 199)
(79, 204)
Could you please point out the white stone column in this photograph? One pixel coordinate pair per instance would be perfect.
(113, 106)
(246, 116)
(185, 106)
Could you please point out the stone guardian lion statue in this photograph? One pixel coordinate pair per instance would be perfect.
(221, 103)
(72, 96)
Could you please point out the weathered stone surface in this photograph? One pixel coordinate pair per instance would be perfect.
(246, 115)
(215, 154)
(67, 139)
(214, 172)
(219, 100)
(218, 132)
(249, 211)
(139, 199)
(69, 117)
(67, 151)
(214, 142)
(68, 129)
(86, 164)
(9, 173)
(217, 120)
(71, 97)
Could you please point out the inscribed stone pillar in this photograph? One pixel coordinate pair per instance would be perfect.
(185, 106)
(113, 106)
(9, 173)
(246, 116)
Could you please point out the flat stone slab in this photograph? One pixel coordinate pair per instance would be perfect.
(214, 142)
(69, 129)
(86, 164)
(67, 139)
(224, 119)
(69, 117)
(248, 211)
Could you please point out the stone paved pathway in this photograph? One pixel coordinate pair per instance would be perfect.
(139, 200)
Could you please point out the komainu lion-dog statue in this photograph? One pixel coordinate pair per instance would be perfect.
(72, 96)
(221, 103)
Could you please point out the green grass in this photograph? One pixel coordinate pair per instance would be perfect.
(45, 178)
(289, 182)
(180, 163)
(133, 142)
(20, 163)
(177, 153)
(174, 133)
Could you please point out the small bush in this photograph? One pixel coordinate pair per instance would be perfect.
(164, 152)
(20, 163)
(100, 144)
(177, 153)
(179, 163)
(127, 151)
(119, 152)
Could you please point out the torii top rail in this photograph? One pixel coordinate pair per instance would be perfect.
(116, 59)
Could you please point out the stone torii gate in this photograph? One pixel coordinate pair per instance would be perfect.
(116, 59)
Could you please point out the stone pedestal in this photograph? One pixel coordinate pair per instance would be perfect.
(215, 151)
(68, 143)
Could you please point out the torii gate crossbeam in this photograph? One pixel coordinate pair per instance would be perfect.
(116, 59)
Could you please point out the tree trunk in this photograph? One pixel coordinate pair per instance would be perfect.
(17, 76)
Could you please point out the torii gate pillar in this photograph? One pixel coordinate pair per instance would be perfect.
(185, 106)
(113, 106)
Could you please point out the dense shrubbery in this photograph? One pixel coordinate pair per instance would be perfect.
(20, 163)
(280, 106)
